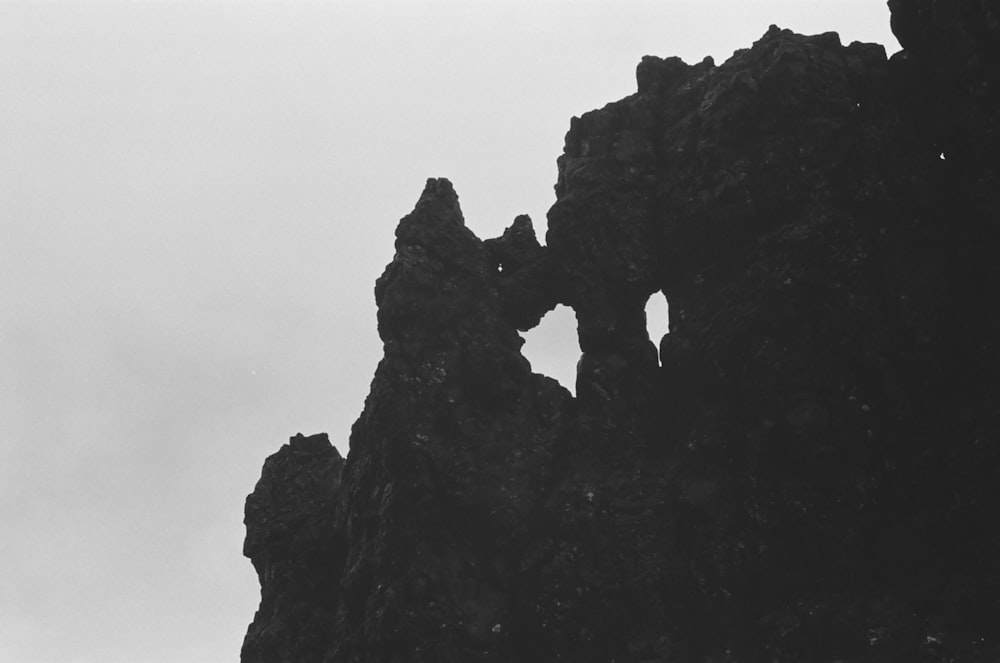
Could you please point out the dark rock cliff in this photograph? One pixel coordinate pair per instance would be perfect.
(805, 468)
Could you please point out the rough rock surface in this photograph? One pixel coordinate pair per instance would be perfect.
(805, 468)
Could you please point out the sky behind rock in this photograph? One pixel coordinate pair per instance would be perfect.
(196, 200)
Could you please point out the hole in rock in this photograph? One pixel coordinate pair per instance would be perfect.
(552, 347)
(657, 318)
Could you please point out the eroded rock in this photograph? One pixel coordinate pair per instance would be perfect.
(810, 470)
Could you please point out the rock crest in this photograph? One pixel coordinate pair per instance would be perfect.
(809, 471)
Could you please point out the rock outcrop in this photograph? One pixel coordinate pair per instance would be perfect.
(805, 468)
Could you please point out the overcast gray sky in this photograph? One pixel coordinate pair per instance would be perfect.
(195, 201)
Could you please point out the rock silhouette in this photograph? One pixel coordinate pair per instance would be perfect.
(806, 468)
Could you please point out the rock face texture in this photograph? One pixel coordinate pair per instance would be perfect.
(806, 468)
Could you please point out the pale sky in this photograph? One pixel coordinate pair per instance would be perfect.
(195, 202)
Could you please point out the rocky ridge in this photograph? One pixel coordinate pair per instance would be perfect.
(804, 469)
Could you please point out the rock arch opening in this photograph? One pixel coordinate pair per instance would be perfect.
(657, 318)
(552, 347)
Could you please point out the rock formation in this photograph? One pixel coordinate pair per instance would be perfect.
(805, 468)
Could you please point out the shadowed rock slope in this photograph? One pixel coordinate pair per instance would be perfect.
(804, 469)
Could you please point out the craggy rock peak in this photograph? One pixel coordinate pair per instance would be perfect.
(804, 469)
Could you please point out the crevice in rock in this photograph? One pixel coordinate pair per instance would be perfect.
(657, 317)
(551, 347)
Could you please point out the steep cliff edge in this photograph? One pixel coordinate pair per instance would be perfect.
(805, 468)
